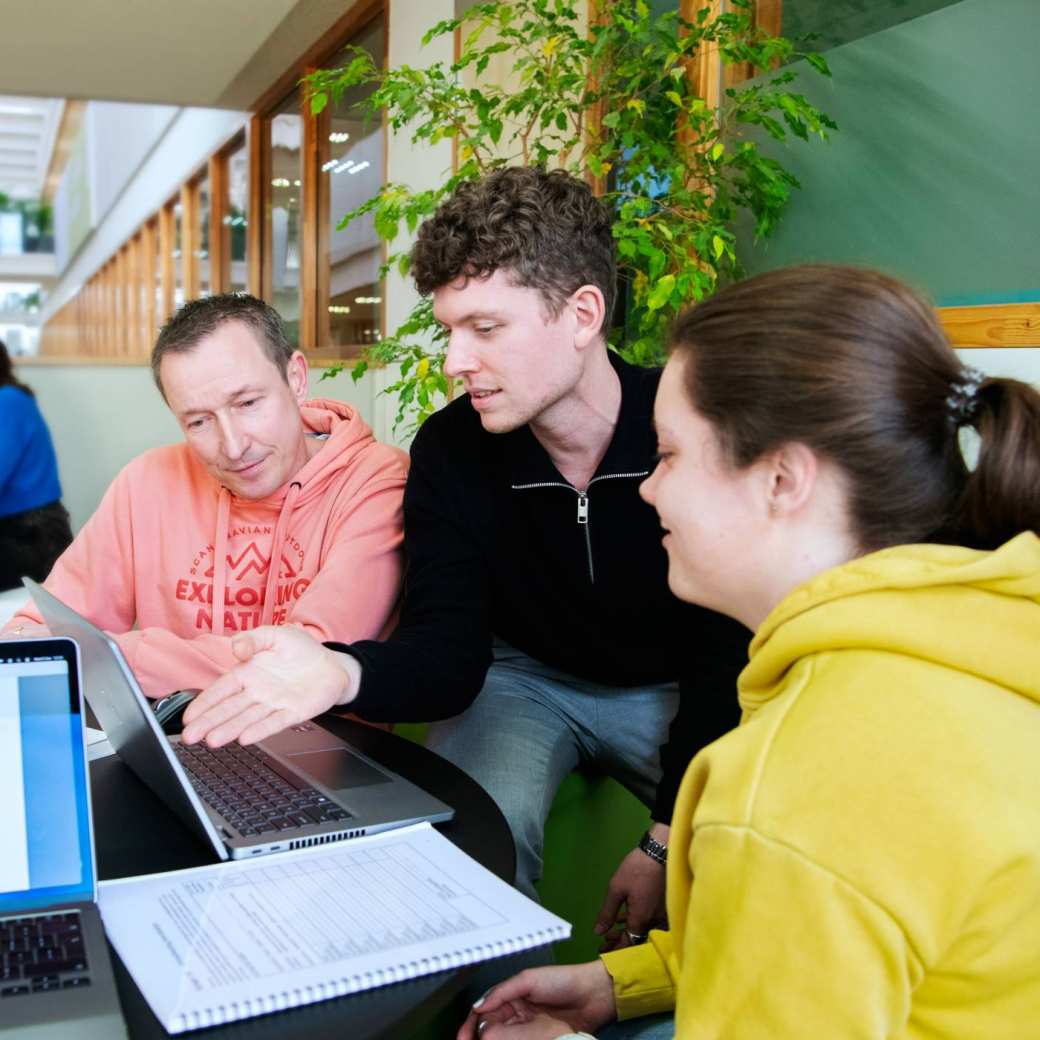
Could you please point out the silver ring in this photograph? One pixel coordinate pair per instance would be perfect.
(635, 938)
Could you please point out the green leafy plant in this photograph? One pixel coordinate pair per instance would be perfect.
(613, 101)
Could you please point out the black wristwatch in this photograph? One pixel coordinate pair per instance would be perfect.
(169, 710)
(654, 849)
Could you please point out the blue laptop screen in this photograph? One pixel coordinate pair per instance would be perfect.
(44, 799)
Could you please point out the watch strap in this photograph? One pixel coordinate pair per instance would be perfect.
(653, 848)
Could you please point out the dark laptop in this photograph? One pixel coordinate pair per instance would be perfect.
(303, 786)
(55, 975)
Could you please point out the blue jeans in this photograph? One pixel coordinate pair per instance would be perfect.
(531, 725)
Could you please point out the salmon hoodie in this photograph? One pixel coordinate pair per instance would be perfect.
(860, 858)
(168, 542)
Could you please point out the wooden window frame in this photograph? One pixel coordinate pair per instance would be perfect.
(167, 240)
(149, 276)
(219, 231)
(190, 238)
(132, 298)
(314, 325)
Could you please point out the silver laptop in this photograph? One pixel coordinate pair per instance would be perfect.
(55, 974)
(303, 786)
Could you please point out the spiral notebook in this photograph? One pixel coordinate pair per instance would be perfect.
(233, 940)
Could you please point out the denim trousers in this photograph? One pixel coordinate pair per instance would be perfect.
(531, 725)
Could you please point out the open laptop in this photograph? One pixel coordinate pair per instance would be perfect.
(55, 974)
(303, 786)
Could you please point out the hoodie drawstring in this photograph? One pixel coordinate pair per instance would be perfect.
(220, 561)
(275, 568)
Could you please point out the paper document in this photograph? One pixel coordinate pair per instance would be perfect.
(237, 939)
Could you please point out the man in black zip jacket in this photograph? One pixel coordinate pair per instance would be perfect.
(536, 618)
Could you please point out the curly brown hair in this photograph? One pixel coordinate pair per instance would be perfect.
(546, 229)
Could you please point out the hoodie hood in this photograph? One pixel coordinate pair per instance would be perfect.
(970, 611)
(347, 436)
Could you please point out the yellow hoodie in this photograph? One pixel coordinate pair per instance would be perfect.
(866, 845)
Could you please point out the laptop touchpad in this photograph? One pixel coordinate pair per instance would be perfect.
(337, 768)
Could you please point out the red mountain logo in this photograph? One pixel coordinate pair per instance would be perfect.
(252, 559)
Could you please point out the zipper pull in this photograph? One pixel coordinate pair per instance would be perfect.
(583, 508)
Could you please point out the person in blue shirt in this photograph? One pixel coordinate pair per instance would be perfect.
(34, 525)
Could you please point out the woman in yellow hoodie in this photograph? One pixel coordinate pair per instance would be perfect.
(861, 857)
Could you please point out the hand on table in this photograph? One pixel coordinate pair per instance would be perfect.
(635, 897)
(543, 1004)
(285, 677)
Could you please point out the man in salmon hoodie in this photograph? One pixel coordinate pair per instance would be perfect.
(281, 510)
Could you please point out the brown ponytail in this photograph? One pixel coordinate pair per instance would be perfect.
(857, 366)
(1002, 496)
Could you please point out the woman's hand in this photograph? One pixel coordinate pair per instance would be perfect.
(544, 1003)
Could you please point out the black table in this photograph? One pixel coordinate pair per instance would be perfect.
(136, 834)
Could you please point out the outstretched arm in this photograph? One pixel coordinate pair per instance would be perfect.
(434, 664)
(431, 667)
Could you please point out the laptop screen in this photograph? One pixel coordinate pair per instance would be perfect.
(44, 798)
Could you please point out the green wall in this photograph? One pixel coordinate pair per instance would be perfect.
(934, 173)
(834, 22)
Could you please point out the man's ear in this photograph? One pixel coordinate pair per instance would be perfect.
(589, 309)
(296, 376)
(792, 472)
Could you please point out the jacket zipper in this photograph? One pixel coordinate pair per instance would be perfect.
(583, 505)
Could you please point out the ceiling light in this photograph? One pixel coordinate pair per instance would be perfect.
(368, 299)
(335, 308)
(339, 137)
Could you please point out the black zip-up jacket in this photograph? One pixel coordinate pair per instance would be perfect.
(498, 543)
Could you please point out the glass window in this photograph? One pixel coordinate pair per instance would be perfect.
(286, 193)
(202, 251)
(10, 233)
(21, 340)
(351, 173)
(237, 217)
(25, 297)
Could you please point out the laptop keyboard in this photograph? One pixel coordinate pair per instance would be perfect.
(41, 953)
(254, 792)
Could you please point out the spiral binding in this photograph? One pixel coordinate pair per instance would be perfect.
(221, 1014)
